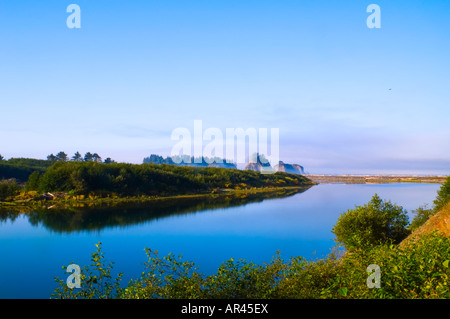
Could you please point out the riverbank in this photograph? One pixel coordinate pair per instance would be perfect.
(28, 200)
(377, 179)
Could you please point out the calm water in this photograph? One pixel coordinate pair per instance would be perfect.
(35, 246)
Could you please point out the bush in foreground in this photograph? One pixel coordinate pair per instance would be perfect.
(377, 222)
(419, 269)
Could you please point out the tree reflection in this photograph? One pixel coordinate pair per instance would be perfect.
(95, 218)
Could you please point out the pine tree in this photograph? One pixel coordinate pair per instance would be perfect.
(96, 158)
(61, 156)
(88, 157)
(77, 157)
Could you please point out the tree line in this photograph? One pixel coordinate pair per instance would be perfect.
(20, 169)
(77, 157)
(90, 175)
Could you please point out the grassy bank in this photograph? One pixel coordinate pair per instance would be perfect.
(32, 199)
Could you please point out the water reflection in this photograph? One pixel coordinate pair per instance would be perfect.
(95, 218)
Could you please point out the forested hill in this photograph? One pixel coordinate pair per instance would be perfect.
(22, 168)
(152, 179)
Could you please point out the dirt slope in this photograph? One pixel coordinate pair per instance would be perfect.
(440, 221)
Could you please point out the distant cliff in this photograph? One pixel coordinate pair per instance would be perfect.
(289, 168)
(257, 163)
(189, 161)
(260, 163)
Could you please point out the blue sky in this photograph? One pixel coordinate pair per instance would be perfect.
(346, 98)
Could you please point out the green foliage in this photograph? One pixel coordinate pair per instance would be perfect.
(97, 281)
(167, 277)
(108, 160)
(443, 195)
(307, 279)
(422, 214)
(88, 157)
(22, 168)
(77, 157)
(33, 181)
(419, 269)
(8, 188)
(61, 156)
(86, 178)
(245, 280)
(375, 223)
(96, 158)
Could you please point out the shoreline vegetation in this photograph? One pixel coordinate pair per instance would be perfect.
(33, 200)
(58, 181)
(76, 183)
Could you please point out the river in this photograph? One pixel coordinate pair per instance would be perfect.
(35, 245)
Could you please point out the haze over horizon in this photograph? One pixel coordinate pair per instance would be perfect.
(346, 99)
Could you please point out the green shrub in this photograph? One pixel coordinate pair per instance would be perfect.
(443, 195)
(307, 279)
(419, 269)
(422, 214)
(33, 181)
(167, 277)
(97, 281)
(246, 280)
(375, 223)
(8, 188)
